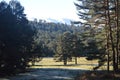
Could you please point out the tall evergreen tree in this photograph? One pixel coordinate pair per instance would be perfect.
(16, 37)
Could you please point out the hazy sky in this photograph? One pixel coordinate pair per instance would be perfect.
(55, 9)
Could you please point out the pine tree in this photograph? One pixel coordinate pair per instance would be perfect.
(104, 12)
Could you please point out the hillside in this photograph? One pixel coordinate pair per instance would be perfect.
(49, 32)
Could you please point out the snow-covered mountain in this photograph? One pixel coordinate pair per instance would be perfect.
(64, 20)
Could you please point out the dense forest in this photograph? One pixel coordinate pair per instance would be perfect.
(96, 36)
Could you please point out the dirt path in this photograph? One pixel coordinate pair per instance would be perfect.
(48, 74)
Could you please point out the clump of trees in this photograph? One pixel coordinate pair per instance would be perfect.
(48, 35)
(69, 45)
(104, 14)
(16, 38)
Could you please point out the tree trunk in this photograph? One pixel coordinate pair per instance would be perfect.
(119, 60)
(65, 59)
(108, 65)
(33, 63)
(111, 37)
(113, 48)
(75, 60)
(108, 53)
(107, 38)
(65, 62)
(118, 33)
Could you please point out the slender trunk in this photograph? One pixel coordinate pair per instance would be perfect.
(76, 60)
(33, 61)
(108, 64)
(119, 31)
(117, 34)
(107, 38)
(108, 56)
(119, 60)
(111, 37)
(65, 62)
(65, 59)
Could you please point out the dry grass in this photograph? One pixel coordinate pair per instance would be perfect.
(82, 64)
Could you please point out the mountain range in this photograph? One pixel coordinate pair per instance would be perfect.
(63, 20)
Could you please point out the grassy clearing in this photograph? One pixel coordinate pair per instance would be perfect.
(82, 64)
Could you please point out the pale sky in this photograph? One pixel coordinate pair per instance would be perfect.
(55, 9)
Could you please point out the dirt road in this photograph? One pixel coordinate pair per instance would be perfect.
(47, 74)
